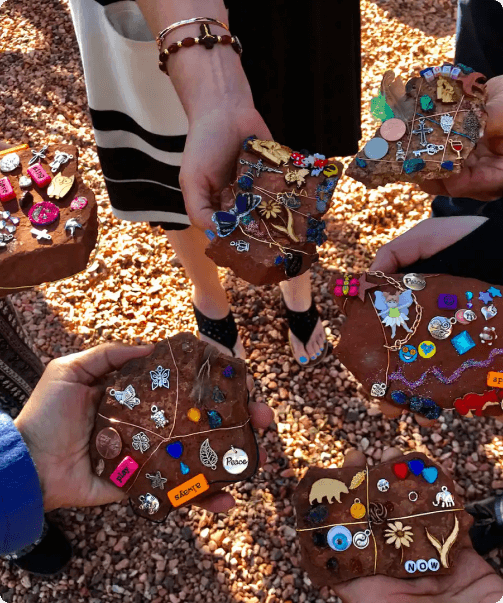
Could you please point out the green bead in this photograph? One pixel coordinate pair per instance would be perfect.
(426, 103)
(413, 165)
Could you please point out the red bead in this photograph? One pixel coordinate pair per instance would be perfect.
(172, 48)
(187, 42)
(226, 39)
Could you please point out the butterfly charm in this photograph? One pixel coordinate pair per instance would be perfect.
(126, 397)
(347, 286)
(160, 377)
(227, 221)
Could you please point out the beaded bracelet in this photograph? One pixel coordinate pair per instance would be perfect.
(207, 39)
(209, 20)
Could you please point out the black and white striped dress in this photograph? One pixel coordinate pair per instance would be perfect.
(303, 67)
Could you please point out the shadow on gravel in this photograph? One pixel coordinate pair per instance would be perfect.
(436, 18)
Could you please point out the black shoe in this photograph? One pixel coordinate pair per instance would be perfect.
(487, 531)
(459, 206)
(223, 331)
(49, 557)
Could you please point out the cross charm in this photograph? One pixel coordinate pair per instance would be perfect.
(207, 39)
(259, 167)
(38, 155)
(41, 234)
(422, 131)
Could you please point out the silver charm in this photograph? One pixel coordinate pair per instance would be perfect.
(160, 377)
(235, 461)
(414, 281)
(217, 395)
(141, 442)
(25, 182)
(126, 397)
(422, 131)
(444, 497)
(5, 215)
(361, 539)
(3, 224)
(149, 503)
(259, 167)
(441, 327)
(431, 149)
(413, 496)
(14, 220)
(9, 162)
(38, 155)
(100, 467)
(383, 485)
(72, 224)
(488, 335)
(489, 311)
(446, 122)
(241, 245)
(208, 456)
(378, 390)
(400, 153)
(158, 417)
(59, 159)
(10, 228)
(157, 481)
(42, 235)
(469, 315)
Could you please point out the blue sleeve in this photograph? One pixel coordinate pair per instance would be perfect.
(21, 503)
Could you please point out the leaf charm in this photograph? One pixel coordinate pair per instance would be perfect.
(444, 549)
(357, 480)
(207, 455)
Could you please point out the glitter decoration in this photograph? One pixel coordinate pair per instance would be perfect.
(78, 203)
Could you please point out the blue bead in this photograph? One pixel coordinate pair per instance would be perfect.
(447, 165)
(399, 397)
(183, 468)
(318, 514)
(210, 234)
(413, 165)
(175, 449)
(361, 162)
(463, 342)
(464, 68)
(278, 260)
(214, 419)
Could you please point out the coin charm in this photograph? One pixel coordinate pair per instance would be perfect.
(44, 213)
(9, 163)
(108, 443)
(414, 281)
(361, 539)
(440, 327)
(235, 461)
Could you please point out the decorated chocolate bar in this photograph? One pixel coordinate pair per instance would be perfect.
(271, 217)
(429, 126)
(45, 233)
(425, 343)
(402, 519)
(174, 427)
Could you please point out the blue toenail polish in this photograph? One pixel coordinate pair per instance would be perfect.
(313, 357)
(318, 353)
(303, 359)
(210, 234)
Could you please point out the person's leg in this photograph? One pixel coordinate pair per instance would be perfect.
(487, 531)
(208, 295)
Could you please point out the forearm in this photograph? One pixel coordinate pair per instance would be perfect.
(203, 78)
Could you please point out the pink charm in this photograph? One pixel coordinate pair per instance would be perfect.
(78, 203)
(38, 174)
(354, 284)
(43, 213)
(124, 471)
(6, 191)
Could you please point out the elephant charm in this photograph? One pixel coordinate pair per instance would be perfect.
(445, 497)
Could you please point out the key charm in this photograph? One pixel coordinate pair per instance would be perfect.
(431, 149)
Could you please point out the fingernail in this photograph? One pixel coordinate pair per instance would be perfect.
(210, 234)
(313, 357)
(318, 353)
(303, 359)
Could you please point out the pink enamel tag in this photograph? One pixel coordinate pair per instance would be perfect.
(124, 471)
(39, 175)
(6, 191)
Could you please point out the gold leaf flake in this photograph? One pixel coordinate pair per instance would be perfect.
(357, 480)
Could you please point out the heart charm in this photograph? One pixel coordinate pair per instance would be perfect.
(175, 450)
(401, 470)
(416, 466)
(378, 390)
(430, 474)
(426, 348)
(489, 311)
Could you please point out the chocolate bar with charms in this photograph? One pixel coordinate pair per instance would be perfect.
(174, 427)
(48, 217)
(429, 126)
(424, 342)
(402, 519)
(271, 217)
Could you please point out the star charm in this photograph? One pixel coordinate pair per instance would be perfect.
(364, 286)
(157, 480)
(494, 292)
(485, 297)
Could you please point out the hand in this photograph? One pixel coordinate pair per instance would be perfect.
(214, 141)
(472, 581)
(482, 174)
(57, 421)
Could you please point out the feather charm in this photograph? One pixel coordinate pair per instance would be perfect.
(358, 480)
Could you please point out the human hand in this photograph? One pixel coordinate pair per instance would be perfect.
(482, 174)
(57, 421)
(472, 581)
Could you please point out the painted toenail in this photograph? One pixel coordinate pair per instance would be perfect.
(303, 359)
(318, 353)
(313, 357)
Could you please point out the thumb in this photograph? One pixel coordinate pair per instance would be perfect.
(198, 203)
(494, 107)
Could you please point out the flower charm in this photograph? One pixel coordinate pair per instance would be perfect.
(269, 208)
(316, 231)
(141, 442)
(399, 535)
(160, 377)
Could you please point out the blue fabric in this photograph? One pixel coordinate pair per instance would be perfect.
(21, 502)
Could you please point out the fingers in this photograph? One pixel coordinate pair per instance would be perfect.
(494, 107)
(250, 384)
(261, 415)
(85, 367)
(218, 503)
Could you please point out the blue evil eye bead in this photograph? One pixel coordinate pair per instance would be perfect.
(214, 419)
(183, 468)
(447, 165)
(278, 260)
(245, 182)
(175, 450)
(339, 538)
(416, 404)
(246, 141)
(228, 372)
(463, 343)
(399, 397)
(416, 466)
(317, 515)
(413, 165)
(320, 539)
(408, 353)
(361, 163)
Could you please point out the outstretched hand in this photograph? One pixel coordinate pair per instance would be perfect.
(472, 581)
(57, 421)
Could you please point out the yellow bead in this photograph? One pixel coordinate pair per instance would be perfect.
(194, 414)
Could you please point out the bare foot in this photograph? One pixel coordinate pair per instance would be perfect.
(314, 347)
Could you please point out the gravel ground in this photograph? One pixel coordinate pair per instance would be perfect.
(250, 555)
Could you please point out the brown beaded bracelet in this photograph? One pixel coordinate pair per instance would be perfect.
(207, 39)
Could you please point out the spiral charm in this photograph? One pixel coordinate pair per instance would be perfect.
(377, 513)
(361, 539)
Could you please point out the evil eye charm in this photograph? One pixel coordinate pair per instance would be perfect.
(339, 538)
(408, 353)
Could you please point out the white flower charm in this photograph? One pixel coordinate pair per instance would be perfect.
(160, 377)
(141, 442)
(378, 390)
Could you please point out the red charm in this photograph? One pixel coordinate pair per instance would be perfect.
(298, 159)
(43, 213)
(320, 163)
(476, 403)
(401, 470)
(347, 286)
(7, 193)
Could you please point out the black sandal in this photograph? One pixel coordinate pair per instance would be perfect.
(302, 325)
(223, 331)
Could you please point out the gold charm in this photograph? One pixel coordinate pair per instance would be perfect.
(445, 91)
(270, 150)
(331, 488)
(358, 480)
(298, 177)
(444, 548)
(60, 186)
(357, 509)
(289, 229)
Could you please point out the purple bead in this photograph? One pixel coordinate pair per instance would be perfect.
(447, 301)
